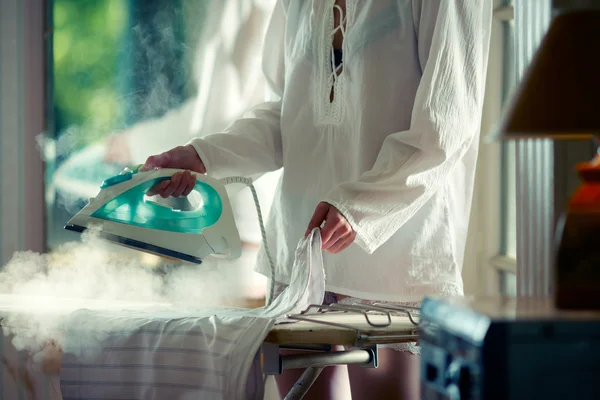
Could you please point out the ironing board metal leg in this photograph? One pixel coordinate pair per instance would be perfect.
(324, 359)
(275, 364)
(304, 383)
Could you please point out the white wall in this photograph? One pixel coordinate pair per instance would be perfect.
(22, 71)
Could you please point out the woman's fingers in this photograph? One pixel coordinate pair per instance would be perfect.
(172, 186)
(330, 233)
(161, 160)
(180, 157)
(340, 233)
(341, 239)
(318, 217)
(157, 189)
(337, 233)
(180, 184)
(183, 184)
(190, 186)
(341, 244)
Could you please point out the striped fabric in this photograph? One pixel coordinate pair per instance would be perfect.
(180, 353)
(153, 357)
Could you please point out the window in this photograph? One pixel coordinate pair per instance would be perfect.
(113, 63)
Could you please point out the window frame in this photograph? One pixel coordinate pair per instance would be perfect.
(504, 261)
(504, 264)
(22, 119)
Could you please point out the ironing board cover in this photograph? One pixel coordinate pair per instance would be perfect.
(183, 352)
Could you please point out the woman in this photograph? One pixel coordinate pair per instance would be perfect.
(375, 122)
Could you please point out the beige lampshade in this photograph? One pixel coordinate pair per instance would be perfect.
(559, 95)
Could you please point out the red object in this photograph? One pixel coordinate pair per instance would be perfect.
(587, 196)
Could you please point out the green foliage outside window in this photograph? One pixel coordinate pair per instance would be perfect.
(87, 49)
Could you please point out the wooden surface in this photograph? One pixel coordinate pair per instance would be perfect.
(303, 332)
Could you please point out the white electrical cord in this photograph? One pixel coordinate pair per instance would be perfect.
(248, 182)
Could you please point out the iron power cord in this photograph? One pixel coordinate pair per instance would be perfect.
(248, 182)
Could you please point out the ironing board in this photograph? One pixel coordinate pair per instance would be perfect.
(317, 330)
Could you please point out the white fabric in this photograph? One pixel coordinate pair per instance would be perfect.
(228, 79)
(395, 151)
(183, 352)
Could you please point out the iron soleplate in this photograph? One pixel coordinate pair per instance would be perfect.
(135, 244)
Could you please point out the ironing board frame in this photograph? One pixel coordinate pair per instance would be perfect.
(321, 355)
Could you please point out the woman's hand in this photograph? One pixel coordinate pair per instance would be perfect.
(337, 233)
(182, 183)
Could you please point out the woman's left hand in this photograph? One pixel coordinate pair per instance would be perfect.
(337, 233)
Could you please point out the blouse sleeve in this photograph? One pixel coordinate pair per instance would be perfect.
(251, 145)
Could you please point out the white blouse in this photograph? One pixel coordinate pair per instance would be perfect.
(395, 150)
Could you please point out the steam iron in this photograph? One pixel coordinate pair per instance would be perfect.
(186, 229)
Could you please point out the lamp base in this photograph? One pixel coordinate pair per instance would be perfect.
(577, 268)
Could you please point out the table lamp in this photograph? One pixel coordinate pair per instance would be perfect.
(559, 98)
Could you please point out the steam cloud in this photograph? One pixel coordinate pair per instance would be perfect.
(45, 288)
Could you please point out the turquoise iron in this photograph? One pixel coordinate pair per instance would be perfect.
(186, 229)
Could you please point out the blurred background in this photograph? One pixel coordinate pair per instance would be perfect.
(112, 64)
(91, 87)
